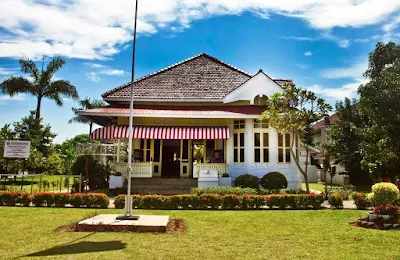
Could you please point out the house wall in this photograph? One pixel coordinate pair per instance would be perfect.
(235, 169)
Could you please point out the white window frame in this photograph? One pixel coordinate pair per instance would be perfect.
(285, 147)
(239, 147)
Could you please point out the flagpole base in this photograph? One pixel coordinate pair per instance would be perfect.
(126, 217)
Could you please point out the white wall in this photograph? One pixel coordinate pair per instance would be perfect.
(260, 169)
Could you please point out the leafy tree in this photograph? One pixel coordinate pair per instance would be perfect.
(93, 172)
(344, 140)
(41, 85)
(379, 100)
(294, 111)
(86, 103)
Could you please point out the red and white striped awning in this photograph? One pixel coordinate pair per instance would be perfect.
(160, 132)
(103, 133)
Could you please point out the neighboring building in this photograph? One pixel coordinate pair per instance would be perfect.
(320, 137)
(198, 114)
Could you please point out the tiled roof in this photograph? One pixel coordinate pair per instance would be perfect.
(199, 77)
(228, 111)
(326, 121)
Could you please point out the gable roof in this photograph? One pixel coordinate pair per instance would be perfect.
(201, 77)
(326, 121)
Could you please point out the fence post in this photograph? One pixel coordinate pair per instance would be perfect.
(80, 183)
(40, 183)
(32, 184)
(22, 182)
(60, 183)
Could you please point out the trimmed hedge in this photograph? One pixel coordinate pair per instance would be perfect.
(384, 193)
(228, 201)
(361, 200)
(336, 201)
(247, 181)
(51, 199)
(223, 190)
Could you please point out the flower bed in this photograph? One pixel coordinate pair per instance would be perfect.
(228, 201)
(51, 199)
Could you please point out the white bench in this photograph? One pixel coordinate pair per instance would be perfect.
(208, 178)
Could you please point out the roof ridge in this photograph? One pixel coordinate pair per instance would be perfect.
(174, 65)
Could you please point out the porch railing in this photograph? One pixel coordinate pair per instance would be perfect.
(220, 167)
(139, 169)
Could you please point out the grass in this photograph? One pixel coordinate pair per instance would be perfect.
(34, 181)
(323, 234)
(321, 187)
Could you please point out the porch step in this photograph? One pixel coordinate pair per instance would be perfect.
(165, 186)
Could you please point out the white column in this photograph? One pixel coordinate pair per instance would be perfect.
(249, 142)
(273, 146)
(229, 145)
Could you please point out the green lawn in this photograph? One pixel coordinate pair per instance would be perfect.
(321, 187)
(323, 234)
(27, 181)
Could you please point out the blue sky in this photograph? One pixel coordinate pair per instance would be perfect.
(321, 45)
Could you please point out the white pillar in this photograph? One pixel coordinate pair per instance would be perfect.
(273, 146)
(249, 142)
(229, 145)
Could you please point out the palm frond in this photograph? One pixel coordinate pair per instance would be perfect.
(79, 119)
(55, 64)
(16, 85)
(29, 67)
(61, 88)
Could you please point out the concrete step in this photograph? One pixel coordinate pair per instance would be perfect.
(164, 186)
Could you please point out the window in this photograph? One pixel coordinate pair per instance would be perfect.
(261, 123)
(284, 142)
(238, 147)
(261, 147)
(145, 148)
(238, 124)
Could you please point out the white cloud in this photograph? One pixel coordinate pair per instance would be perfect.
(112, 72)
(20, 97)
(344, 43)
(389, 30)
(355, 70)
(348, 90)
(298, 38)
(6, 71)
(98, 29)
(308, 53)
(94, 65)
(93, 76)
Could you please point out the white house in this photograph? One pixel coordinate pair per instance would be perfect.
(198, 114)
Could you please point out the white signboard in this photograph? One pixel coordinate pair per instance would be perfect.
(17, 149)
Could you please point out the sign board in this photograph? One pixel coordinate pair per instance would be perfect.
(17, 149)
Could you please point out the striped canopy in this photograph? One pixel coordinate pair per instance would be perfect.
(161, 132)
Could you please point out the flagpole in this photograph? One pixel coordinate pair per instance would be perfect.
(128, 199)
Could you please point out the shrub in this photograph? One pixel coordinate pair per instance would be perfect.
(61, 199)
(231, 201)
(101, 200)
(223, 190)
(385, 209)
(119, 201)
(336, 201)
(43, 199)
(250, 201)
(76, 200)
(247, 181)
(24, 199)
(361, 200)
(345, 191)
(213, 201)
(274, 181)
(8, 198)
(384, 193)
(315, 200)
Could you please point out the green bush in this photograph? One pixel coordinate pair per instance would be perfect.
(119, 201)
(274, 181)
(43, 199)
(247, 181)
(213, 201)
(223, 190)
(336, 201)
(61, 199)
(384, 193)
(76, 200)
(231, 201)
(361, 200)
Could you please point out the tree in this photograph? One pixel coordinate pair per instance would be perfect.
(86, 104)
(379, 100)
(68, 151)
(41, 84)
(344, 140)
(294, 111)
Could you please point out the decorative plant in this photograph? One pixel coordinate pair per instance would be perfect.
(247, 181)
(274, 181)
(386, 209)
(384, 193)
(225, 175)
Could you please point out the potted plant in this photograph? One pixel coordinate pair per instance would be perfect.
(225, 180)
(116, 180)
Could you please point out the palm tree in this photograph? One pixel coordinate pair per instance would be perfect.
(41, 84)
(86, 104)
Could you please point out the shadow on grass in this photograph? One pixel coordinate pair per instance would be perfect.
(81, 247)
